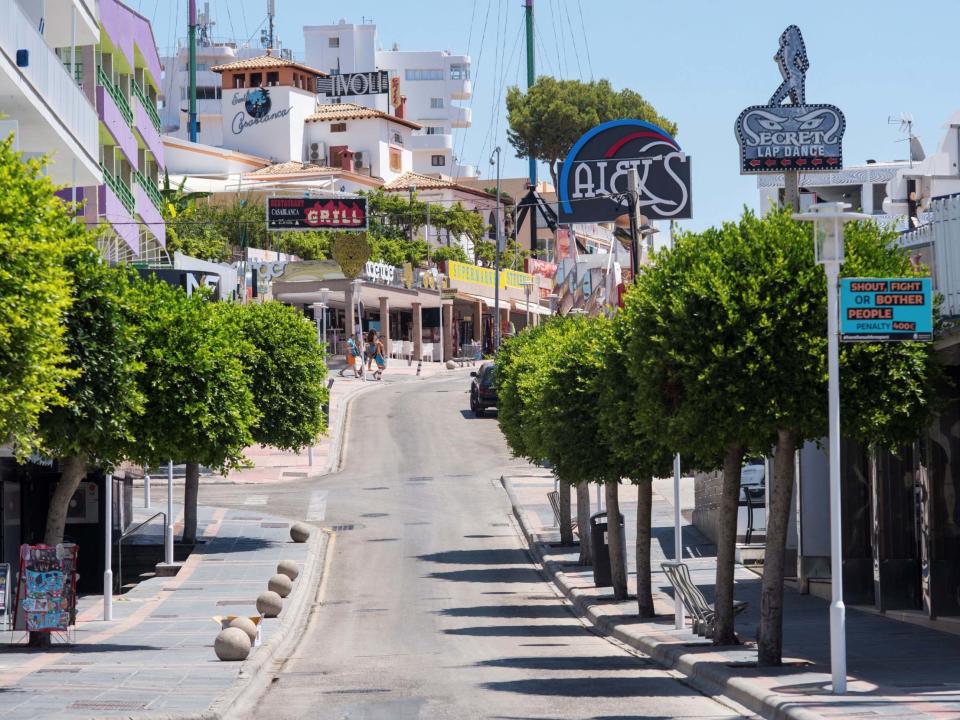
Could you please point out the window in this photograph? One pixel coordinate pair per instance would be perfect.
(395, 164)
(434, 130)
(424, 74)
(333, 42)
(200, 67)
(338, 127)
(459, 71)
(238, 81)
(436, 103)
(438, 160)
(204, 92)
(273, 78)
(396, 138)
(256, 79)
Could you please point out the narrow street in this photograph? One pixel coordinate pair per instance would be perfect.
(432, 608)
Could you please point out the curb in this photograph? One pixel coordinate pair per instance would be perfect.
(706, 676)
(253, 680)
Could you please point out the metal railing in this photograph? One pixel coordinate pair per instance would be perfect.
(124, 536)
(119, 188)
(149, 107)
(113, 91)
(150, 188)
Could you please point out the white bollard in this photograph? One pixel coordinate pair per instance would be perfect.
(310, 456)
(168, 532)
(146, 491)
(108, 549)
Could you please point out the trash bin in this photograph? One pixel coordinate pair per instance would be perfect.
(600, 548)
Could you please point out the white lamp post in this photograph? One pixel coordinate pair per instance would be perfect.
(828, 220)
(527, 284)
(108, 547)
(440, 279)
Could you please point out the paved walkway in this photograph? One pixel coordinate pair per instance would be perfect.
(895, 670)
(155, 658)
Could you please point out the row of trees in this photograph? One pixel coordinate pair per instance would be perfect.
(99, 366)
(719, 354)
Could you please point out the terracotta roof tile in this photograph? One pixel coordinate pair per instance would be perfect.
(292, 167)
(411, 180)
(350, 111)
(264, 62)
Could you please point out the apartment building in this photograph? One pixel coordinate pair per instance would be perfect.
(433, 83)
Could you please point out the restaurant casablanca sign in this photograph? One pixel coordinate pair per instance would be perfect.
(595, 175)
(799, 136)
(257, 109)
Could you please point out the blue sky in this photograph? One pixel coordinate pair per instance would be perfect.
(700, 62)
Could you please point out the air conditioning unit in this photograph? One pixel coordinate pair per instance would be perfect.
(358, 160)
(317, 152)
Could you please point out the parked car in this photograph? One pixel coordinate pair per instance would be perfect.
(483, 389)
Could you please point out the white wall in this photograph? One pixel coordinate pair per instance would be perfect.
(372, 136)
(280, 136)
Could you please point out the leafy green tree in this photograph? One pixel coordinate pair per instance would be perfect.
(695, 373)
(37, 233)
(286, 370)
(635, 453)
(452, 252)
(194, 231)
(484, 253)
(550, 117)
(199, 406)
(93, 426)
(305, 245)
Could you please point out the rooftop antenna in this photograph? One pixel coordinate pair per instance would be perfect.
(271, 11)
(204, 24)
(906, 125)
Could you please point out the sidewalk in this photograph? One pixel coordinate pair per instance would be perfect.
(272, 465)
(155, 658)
(895, 670)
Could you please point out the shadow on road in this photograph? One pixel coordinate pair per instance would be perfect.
(487, 415)
(509, 611)
(572, 663)
(490, 576)
(501, 556)
(581, 687)
(519, 630)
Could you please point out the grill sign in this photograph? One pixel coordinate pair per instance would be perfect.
(884, 309)
(365, 83)
(595, 176)
(314, 214)
(776, 137)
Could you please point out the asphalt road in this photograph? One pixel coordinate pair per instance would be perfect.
(432, 608)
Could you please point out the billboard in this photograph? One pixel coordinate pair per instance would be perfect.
(886, 309)
(375, 82)
(315, 214)
(594, 178)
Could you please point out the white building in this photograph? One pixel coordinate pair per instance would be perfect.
(41, 102)
(863, 186)
(431, 81)
(932, 177)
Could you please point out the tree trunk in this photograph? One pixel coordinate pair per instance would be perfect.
(72, 470)
(770, 634)
(583, 522)
(724, 633)
(566, 527)
(552, 166)
(644, 584)
(191, 490)
(618, 560)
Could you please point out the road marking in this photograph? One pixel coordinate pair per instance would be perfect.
(255, 500)
(317, 510)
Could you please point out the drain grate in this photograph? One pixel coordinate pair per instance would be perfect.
(59, 670)
(378, 487)
(213, 559)
(374, 515)
(342, 528)
(420, 478)
(165, 617)
(182, 587)
(234, 601)
(107, 705)
(274, 525)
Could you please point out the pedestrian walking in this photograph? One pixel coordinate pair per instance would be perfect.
(354, 360)
(380, 357)
(370, 349)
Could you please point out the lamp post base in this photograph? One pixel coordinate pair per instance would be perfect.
(838, 645)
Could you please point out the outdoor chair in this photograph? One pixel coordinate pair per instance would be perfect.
(554, 497)
(701, 613)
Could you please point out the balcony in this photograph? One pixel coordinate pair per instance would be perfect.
(120, 189)
(149, 107)
(148, 204)
(438, 143)
(150, 189)
(53, 116)
(116, 204)
(147, 124)
(123, 105)
(459, 89)
(461, 117)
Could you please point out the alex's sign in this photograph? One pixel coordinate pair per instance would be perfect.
(314, 214)
(595, 176)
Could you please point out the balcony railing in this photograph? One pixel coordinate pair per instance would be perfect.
(150, 107)
(120, 189)
(150, 188)
(118, 97)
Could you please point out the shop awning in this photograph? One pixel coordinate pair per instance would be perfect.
(488, 302)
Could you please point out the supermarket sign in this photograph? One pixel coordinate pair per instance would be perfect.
(886, 309)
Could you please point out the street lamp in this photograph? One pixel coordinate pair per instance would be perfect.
(322, 320)
(357, 285)
(440, 279)
(496, 256)
(828, 220)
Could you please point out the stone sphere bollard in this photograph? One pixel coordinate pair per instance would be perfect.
(451, 365)
(280, 584)
(299, 532)
(232, 644)
(288, 568)
(247, 625)
(269, 604)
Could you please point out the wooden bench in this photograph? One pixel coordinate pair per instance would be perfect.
(554, 497)
(700, 611)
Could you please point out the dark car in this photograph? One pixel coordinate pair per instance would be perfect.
(483, 390)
